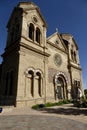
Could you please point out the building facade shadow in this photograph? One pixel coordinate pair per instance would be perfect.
(65, 110)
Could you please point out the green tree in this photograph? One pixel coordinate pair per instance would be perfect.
(85, 92)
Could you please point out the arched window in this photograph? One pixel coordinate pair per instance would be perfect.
(76, 86)
(75, 56)
(31, 31)
(72, 55)
(39, 82)
(76, 83)
(38, 35)
(61, 87)
(31, 75)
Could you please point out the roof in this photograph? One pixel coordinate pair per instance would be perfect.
(59, 36)
(25, 6)
(31, 6)
(67, 37)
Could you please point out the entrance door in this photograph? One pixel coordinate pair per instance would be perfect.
(61, 87)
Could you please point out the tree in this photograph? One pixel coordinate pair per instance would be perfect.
(85, 92)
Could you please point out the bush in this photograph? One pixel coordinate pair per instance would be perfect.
(49, 104)
(66, 101)
(85, 104)
(36, 106)
(81, 103)
(85, 92)
(77, 103)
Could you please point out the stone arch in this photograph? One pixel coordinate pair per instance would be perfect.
(75, 56)
(61, 82)
(39, 81)
(33, 82)
(40, 71)
(31, 31)
(29, 75)
(76, 85)
(61, 73)
(38, 35)
(27, 70)
(38, 74)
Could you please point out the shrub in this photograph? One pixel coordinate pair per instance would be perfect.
(81, 103)
(66, 101)
(36, 106)
(49, 104)
(85, 104)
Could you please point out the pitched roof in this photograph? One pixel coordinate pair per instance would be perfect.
(25, 6)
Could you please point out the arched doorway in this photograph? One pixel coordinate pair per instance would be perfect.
(61, 87)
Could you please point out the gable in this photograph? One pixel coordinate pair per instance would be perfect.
(32, 10)
(57, 41)
(73, 41)
(69, 38)
(34, 17)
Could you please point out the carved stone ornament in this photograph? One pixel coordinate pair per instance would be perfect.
(35, 19)
(57, 59)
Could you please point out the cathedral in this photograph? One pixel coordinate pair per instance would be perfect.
(36, 68)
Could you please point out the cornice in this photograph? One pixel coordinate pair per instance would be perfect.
(29, 40)
(34, 49)
(79, 68)
(56, 47)
(38, 10)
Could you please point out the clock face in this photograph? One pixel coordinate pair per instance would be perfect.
(57, 59)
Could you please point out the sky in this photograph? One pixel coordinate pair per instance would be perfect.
(69, 16)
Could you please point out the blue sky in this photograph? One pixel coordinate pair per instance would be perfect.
(69, 16)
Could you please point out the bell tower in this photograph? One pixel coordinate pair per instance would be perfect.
(10, 64)
(14, 27)
(25, 48)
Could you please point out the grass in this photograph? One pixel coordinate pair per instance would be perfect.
(49, 104)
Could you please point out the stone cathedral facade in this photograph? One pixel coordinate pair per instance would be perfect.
(37, 69)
